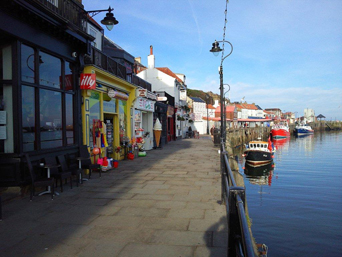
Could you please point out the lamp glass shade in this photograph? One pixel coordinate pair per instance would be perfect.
(110, 27)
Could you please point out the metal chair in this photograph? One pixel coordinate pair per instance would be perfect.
(74, 171)
(58, 175)
(42, 182)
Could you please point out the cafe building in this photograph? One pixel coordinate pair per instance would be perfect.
(41, 57)
(107, 112)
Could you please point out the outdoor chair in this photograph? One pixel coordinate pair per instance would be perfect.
(43, 182)
(74, 171)
(57, 174)
(85, 161)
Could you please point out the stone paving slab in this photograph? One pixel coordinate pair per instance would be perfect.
(164, 204)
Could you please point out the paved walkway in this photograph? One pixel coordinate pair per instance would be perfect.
(164, 204)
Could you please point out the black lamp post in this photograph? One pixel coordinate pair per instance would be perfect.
(215, 50)
(109, 21)
(207, 98)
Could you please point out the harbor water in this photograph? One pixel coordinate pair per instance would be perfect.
(296, 206)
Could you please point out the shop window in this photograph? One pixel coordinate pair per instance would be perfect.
(69, 119)
(28, 118)
(94, 113)
(69, 78)
(27, 64)
(49, 71)
(50, 105)
(123, 120)
(47, 101)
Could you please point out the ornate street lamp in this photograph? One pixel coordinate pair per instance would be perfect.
(109, 21)
(215, 50)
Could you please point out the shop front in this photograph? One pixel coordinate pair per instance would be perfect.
(107, 115)
(170, 123)
(39, 94)
(143, 119)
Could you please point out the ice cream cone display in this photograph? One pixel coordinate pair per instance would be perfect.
(157, 134)
(157, 131)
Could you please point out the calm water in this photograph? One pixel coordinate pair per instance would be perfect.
(296, 209)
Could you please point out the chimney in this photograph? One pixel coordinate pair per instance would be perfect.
(150, 59)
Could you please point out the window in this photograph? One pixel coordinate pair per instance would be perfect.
(94, 115)
(122, 120)
(50, 118)
(28, 118)
(27, 64)
(47, 101)
(49, 71)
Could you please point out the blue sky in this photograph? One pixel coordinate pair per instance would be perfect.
(287, 53)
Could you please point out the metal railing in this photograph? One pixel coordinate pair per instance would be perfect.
(107, 63)
(68, 10)
(239, 236)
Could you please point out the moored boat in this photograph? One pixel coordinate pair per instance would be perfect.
(259, 153)
(303, 129)
(280, 130)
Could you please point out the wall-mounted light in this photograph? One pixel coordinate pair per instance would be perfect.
(109, 21)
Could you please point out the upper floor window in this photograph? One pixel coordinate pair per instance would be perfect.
(50, 72)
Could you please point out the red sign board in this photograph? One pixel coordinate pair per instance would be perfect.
(88, 81)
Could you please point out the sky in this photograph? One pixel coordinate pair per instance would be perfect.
(287, 54)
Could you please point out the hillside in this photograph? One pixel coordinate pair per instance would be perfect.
(202, 95)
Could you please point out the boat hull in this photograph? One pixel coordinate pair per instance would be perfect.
(280, 133)
(258, 158)
(301, 131)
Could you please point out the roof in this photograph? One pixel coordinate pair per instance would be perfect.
(170, 73)
(197, 99)
(94, 22)
(320, 116)
(210, 106)
(246, 106)
(229, 108)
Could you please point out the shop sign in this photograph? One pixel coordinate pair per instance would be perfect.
(88, 81)
(145, 105)
(116, 94)
(151, 96)
(141, 92)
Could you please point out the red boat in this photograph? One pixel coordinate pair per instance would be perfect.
(280, 130)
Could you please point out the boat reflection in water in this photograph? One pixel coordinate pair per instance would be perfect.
(259, 175)
(281, 142)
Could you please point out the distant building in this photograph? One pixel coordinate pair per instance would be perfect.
(309, 115)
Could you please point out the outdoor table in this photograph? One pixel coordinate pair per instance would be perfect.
(48, 167)
(80, 159)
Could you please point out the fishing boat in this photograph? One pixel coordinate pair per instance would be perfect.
(259, 152)
(261, 175)
(303, 129)
(280, 130)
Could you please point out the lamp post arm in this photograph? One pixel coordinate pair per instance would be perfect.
(231, 49)
(95, 12)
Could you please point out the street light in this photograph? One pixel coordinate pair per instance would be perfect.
(225, 111)
(207, 98)
(109, 21)
(215, 50)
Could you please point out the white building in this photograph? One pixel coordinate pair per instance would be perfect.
(163, 79)
(309, 115)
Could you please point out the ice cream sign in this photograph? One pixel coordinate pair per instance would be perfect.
(145, 105)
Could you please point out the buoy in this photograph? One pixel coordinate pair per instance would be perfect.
(96, 150)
